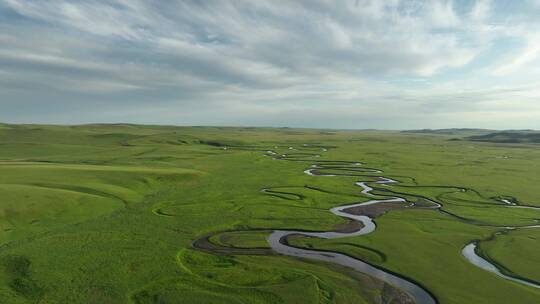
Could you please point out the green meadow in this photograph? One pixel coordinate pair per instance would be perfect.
(109, 214)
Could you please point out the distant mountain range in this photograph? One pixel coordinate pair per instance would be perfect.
(485, 135)
(453, 131)
(520, 136)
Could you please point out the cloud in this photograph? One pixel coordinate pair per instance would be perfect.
(527, 55)
(262, 58)
(442, 14)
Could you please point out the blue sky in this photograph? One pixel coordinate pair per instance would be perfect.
(319, 63)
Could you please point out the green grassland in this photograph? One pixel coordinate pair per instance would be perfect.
(506, 247)
(109, 213)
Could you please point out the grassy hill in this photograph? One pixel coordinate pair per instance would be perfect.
(527, 136)
(453, 131)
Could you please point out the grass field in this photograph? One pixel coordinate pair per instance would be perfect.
(108, 214)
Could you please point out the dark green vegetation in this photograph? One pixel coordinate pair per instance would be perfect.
(509, 137)
(453, 131)
(108, 214)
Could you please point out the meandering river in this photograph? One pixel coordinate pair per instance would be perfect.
(278, 239)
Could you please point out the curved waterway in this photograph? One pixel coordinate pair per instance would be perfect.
(278, 238)
(472, 256)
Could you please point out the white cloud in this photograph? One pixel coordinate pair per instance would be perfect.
(340, 56)
(517, 60)
(442, 14)
(481, 11)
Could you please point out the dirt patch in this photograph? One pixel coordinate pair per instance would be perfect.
(374, 210)
(349, 227)
(392, 295)
(373, 289)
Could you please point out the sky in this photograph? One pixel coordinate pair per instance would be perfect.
(351, 64)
